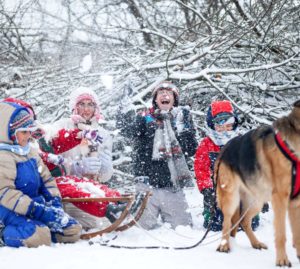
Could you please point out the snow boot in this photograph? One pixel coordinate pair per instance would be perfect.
(114, 211)
(213, 220)
(139, 198)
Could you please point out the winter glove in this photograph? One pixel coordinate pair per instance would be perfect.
(38, 133)
(55, 218)
(142, 179)
(93, 136)
(126, 101)
(106, 169)
(55, 159)
(183, 119)
(88, 165)
(55, 202)
(39, 199)
(209, 198)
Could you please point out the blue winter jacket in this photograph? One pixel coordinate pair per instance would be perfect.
(23, 179)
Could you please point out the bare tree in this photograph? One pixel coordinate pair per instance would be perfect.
(246, 51)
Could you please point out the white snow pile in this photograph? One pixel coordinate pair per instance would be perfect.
(85, 255)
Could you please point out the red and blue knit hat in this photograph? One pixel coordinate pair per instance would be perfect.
(219, 112)
(21, 103)
(21, 121)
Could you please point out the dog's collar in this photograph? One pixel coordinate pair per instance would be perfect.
(290, 154)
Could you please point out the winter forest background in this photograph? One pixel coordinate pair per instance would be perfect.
(246, 51)
(243, 50)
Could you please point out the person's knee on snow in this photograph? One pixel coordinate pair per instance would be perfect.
(26, 233)
(42, 236)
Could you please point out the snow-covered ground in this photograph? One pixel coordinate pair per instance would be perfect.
(83, 255)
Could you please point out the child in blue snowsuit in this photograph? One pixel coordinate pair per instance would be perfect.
(31, 212)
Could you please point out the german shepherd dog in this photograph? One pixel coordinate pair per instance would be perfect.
(251, 170)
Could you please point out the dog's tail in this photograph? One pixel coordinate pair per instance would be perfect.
(216, 172)
(216, 179)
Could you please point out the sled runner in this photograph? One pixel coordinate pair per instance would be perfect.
(119, 224)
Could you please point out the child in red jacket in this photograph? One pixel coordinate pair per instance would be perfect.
(222, 125)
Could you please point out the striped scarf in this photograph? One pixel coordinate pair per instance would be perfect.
(166, 147)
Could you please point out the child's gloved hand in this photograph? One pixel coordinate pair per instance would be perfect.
(39, 199)
(38, 133)
(55, 159)
(54, 217)
(55, 202)
(92, 135)
(183, 121)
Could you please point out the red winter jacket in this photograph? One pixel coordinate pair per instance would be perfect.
(64, 141)
(205, 157)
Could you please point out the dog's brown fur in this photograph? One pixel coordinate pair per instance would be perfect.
(270, 180)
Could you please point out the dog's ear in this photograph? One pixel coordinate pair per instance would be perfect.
(297, 104)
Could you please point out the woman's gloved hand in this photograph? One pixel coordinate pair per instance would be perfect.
(93, 136)
(88, 165)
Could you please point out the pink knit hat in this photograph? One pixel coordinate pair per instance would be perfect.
(80, 94)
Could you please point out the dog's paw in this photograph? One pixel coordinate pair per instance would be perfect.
(259, 245)
(224, 246)
(284, 261)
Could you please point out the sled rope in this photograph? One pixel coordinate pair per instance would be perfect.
(182, 248)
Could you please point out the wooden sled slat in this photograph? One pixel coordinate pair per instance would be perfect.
(115, 226)
(137, 216)
(99, 199)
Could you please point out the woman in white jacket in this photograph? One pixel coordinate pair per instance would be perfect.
(87, 158)
(91, 154)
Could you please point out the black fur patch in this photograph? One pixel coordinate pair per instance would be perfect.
(240, 152)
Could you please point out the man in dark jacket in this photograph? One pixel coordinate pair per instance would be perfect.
(163, 137)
